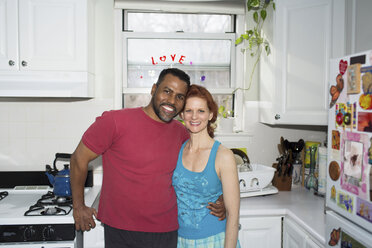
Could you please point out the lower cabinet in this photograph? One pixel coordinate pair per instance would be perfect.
(296, 237)
(260, 232)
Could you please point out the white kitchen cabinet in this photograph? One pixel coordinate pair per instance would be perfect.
(46, 48)
(303, 35)
(296, 237)
(260, 232)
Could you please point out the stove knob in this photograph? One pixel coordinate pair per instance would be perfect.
(48, 233)
(29, 233)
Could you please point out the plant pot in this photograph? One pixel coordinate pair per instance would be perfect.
(226, 125)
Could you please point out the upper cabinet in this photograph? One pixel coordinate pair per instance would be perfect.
(46, 48)
(304, 35)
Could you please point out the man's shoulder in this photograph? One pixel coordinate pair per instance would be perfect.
(124, 111)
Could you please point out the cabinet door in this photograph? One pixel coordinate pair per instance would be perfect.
(293, 236)
(294, 90)
(52, 35)
(260, 232)
(8, 35)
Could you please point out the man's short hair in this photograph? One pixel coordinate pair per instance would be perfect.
(175, 72)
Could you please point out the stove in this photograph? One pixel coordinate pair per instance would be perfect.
(35, 217)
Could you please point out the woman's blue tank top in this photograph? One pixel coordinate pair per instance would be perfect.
(194, 190)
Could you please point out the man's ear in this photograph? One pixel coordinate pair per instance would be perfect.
(153, 89)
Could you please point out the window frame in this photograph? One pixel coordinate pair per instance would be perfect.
(237, 69)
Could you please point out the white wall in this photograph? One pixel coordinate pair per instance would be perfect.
(32, 131)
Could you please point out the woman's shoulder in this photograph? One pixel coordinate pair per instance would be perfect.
(224, 153)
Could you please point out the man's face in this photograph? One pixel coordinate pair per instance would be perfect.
(168, 99)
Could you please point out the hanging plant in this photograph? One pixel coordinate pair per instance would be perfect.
(256, 44)
(254, 37)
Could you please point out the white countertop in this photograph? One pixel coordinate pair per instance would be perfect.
(299, 204)
(91, 195)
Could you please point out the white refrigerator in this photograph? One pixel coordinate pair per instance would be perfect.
(349, 174)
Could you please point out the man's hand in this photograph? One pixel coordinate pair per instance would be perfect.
(218, 208)
(83, 217)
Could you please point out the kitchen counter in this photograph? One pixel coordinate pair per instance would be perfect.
(299, 204)
(91, 195)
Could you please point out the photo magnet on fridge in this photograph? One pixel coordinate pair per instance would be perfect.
(365, 122)
(353, 79)
(355, 167)
(364, 209)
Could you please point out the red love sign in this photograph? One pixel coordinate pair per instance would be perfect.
(342, 66)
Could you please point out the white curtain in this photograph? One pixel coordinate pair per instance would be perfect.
(191, 6)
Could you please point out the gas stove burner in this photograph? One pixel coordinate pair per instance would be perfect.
(3, 194)
(41, 210)
(51, 199)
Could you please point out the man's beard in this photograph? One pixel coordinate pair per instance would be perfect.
(164, 117)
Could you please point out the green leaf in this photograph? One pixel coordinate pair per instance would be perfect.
(273, 5)
(267, 49)
(238, 41)
(221, 109)
(263, 14)
(255, 17)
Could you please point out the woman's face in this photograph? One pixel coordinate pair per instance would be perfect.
(196, 114)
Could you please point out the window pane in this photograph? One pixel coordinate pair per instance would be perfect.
(145, 77)
(206, 61)
(169, 22)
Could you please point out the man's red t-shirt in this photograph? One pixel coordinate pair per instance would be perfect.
(139, 156)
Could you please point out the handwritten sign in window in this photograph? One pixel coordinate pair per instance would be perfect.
(172, 58)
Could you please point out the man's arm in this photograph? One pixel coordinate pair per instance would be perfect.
(83, 215)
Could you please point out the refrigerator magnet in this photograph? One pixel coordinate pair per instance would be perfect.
(345, 201)
(342, 66)
(335, 90)
(364, 209)
(367, 82)
(335, 139)
(334, 237)
(334, 170)
(364, 121)
(333, 193)
(353, 79)
(354, 167)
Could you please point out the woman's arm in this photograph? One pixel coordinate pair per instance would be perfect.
(227, 171)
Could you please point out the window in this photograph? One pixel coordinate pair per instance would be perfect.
(203, 45)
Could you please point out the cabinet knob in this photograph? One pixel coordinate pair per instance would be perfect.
(24, 63)
(11, 63)
(277, 116)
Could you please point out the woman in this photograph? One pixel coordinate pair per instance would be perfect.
(205, 169)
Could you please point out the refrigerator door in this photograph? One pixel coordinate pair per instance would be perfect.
(349, 173)
(342, 233)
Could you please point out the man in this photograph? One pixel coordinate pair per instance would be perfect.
(139, 150)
